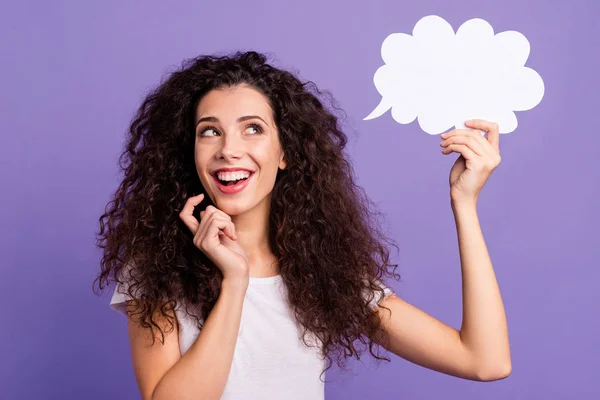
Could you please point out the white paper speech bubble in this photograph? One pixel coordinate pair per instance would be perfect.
(444, 79)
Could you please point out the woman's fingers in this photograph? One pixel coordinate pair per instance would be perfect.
(212, 221)
(492, 129)
(210, 232)
(462, 149)
(232, 231)
(466, 140)
(471, 138)
(186, 213)
(211, 213)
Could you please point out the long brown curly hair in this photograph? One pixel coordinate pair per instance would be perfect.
(321, 229)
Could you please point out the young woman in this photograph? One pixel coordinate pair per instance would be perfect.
(240, 240)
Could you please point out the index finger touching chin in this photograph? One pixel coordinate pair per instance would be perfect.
(193, 201)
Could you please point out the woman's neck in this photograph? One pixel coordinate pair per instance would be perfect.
(252, 230)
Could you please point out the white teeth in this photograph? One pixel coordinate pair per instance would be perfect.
(232, 176)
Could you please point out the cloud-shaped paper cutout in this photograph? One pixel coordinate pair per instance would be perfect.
(444, 79)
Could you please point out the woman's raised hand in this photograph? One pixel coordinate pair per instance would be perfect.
(215, 236)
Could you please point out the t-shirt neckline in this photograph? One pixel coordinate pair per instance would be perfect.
(266, 280)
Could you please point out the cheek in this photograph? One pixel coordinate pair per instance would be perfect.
(267, 156)
(269, 164)
(201, 168)
(200, 159)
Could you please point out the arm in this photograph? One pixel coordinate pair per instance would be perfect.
(484, 330)
(480, 350)
(202, 372)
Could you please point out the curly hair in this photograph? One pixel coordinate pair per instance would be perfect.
(321, 229)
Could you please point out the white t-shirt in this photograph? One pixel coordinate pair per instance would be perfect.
(270, 360)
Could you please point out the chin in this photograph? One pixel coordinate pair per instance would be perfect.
(231, 206)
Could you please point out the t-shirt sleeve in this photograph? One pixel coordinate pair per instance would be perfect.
(120, 296)
(118, 302)
(377, 298)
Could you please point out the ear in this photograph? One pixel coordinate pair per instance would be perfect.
(282, 163)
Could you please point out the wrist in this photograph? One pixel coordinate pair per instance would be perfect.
(457, 203)
(236, 284)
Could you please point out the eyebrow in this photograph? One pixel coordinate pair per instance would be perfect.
(240, 119)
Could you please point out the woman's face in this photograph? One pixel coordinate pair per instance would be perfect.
(235, 129)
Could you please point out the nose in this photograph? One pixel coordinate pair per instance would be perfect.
(231, 147)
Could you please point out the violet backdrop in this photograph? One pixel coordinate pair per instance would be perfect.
(74, 72)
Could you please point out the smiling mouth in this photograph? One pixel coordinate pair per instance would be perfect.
(232, 183)
(231, 187)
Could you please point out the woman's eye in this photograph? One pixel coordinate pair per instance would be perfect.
(253, 129)
(203, 132)
(256, 128)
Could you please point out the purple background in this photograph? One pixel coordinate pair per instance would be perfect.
(73, 73)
